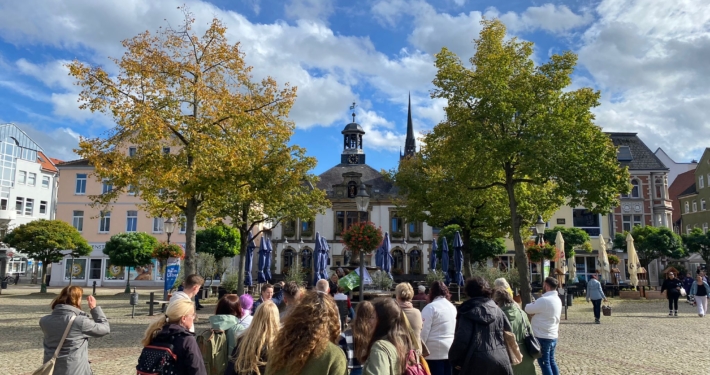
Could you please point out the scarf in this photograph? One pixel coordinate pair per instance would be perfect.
(405, 305)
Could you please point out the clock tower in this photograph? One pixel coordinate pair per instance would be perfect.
(352, 143)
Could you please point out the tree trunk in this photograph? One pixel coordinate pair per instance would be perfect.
(521, 259)
(468, 252)
(45, 265)
(190, 236)
(244, 236)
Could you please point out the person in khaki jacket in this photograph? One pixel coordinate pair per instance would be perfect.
(390, 343)
(73, 358)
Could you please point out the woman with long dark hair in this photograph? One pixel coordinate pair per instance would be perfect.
(390, 343)
(227, 318)
(479, 343)
(306, 343)
(356, 338)
(439, 318)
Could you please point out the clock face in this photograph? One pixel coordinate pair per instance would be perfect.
(353, 159)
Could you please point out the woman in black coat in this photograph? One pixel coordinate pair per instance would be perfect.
(672, 287)
(479, 346)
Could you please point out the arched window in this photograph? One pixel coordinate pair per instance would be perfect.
(635, 189)
(289, 258)
(415, 262)
(307, 263)
(352, 189)
(398, 263)
(658, 182)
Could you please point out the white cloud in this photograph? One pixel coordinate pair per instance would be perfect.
(548, 17)
(309, 9)
(58, 143)
(650, 61)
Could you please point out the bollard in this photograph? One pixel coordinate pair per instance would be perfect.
(134, 302)
(93, 293)
(150, 308)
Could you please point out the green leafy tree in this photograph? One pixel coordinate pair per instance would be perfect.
(219, 240)
(698, 242)
(651, 243)
(574, 238)
(190, 106)
(515, 133)
(47, 241)
(130, 249)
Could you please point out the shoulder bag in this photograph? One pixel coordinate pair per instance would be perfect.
(48, 367)
(531, 343)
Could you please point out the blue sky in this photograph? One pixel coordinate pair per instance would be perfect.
(648, 57)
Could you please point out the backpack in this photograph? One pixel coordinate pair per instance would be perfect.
(214, 347)
(157, 359)
(414, 366)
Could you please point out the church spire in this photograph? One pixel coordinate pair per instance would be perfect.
(410, 144)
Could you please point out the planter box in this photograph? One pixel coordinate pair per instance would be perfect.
(633, 294)
(654, 294)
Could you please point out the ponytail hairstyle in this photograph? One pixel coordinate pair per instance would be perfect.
(70, 295)
(176, 310)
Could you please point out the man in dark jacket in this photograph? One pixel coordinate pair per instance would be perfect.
(479, 345)
(687, 283)
(267, 294)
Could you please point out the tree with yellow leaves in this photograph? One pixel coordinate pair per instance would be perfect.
(191, 125)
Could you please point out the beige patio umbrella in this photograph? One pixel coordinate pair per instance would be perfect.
(633, 263)
(603, 261)
(562, 259)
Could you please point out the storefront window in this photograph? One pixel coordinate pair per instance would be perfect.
(76, 268)
(141, 273)
(114, 272)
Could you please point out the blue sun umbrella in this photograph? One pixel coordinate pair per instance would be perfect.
(316, 259)
(267, 266)
(445, 259)
(387, 258)
(432, 256)
(325, 250)
(458, 258)
(260, 276)
(248, 260)
(379, 257)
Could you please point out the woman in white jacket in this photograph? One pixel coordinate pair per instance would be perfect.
(438, 328)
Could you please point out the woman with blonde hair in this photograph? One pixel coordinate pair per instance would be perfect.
(73, 356)
(503, 283)
(174, 328)
(254, 344)
(306, 342)
(354, 339)
(404, 294)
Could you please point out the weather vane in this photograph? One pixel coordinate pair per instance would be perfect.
(353, 109)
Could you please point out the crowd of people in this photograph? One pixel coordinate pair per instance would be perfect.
(386, 336)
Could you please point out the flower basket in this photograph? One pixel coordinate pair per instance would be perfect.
(613, 259)
(362, 236)
(164, 251)
(537, 253)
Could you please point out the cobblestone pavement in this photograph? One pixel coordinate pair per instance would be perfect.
(639, 337)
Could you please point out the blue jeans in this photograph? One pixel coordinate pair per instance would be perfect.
(597, 303)
(356, 371)
(547, 362)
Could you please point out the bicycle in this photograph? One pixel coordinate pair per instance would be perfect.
(9, 280)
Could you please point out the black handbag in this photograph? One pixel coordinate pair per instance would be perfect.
(531, 343)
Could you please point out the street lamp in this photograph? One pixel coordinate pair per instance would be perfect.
(169, 226)
(362, 200)
(540, 228)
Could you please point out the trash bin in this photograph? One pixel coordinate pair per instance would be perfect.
(3, 284)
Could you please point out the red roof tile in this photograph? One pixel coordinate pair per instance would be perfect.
(47, 163)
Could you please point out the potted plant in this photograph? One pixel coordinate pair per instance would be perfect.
(364, 237)
(613, 259)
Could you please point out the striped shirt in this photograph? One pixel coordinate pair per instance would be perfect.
(346, 343)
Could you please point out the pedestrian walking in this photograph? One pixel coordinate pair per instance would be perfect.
(672, 286)
(73, 358)
(355, 339)
(518, 325)
(545, 323)
(595, 293)
(391, 342)
(439, 323)
(687, 283)
(479, 343)
(699, 289)
(254, 345)
(174, 329)
(306, 344)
